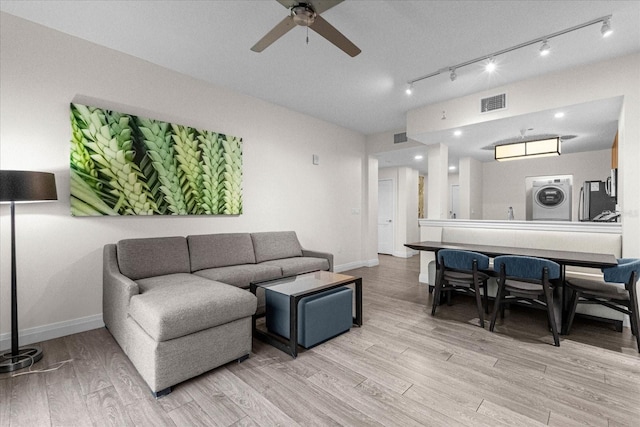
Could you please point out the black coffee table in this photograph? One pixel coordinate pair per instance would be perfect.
(296, 288)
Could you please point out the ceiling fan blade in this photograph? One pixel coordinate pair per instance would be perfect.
(328, 31)
(278, 31)
(322, 5)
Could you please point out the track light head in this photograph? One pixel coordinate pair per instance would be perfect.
(453, 76)
(545, 49)
(606, 28)
(491, 66)
(409, 90)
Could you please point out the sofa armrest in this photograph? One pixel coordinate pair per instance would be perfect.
(117, 290)
(316, 254)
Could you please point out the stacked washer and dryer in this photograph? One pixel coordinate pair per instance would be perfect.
(551, 200)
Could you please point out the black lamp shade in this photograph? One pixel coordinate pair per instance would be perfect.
(27, 186)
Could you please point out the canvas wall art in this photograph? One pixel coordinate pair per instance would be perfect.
(123, 164)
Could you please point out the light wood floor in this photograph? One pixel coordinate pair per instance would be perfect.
(403, 367)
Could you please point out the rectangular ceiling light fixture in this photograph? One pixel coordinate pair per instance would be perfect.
(528, 149)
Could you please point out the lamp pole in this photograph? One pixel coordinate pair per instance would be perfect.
(14, 287)
(21, 186)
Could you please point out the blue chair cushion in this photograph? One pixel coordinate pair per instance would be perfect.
(462, 260)
(320, 317)
(621, 273)
(525, 267)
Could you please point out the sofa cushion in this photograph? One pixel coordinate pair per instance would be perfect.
(242, 275)
(181, 304)
(298, 265)
(220, 250)
(275, 245)
(156, 256)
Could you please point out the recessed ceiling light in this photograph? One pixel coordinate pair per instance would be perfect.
(559, 115)
(419, 157)
(457, 132)
(452, 168)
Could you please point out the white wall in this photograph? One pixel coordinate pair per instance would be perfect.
(408, 191)
(60, 257)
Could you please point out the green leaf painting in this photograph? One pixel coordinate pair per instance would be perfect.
(129, 165)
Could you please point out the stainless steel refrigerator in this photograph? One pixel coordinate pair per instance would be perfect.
(595, 201)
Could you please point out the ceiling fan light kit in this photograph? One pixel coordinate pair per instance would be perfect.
(306, 14)
(303, 15)
(544, 49)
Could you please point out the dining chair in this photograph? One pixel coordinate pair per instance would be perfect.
(618, 290)
(528, 280)
(462, 271)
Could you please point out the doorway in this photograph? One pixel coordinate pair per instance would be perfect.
(386, 198)
(455, 202)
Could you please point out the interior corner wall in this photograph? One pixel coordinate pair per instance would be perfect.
(470, 176)
(408, 186)
(370, 215)
(438, 185)
(59, 257)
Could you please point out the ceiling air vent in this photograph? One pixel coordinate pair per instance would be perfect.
(492, 103)
(399, 138)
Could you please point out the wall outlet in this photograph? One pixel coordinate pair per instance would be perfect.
(355, 211)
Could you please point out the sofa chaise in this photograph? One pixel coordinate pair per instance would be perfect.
(180, 306)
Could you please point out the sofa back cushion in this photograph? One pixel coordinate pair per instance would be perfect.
(220, 250)
(275, 245)
(156, 256)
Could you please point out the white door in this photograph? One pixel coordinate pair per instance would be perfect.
(385, 216)
(455, 202)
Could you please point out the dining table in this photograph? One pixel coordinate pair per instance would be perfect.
(563, 258)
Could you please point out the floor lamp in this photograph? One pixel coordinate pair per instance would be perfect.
(18, 187)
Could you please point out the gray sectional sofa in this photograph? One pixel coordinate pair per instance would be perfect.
(180, 306)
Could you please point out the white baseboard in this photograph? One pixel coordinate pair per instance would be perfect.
(423, 278)
(52, 330)
(407, 253)
(356, 264)
(372, 262)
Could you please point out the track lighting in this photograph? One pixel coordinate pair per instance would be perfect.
(606, 28)
(545, 49)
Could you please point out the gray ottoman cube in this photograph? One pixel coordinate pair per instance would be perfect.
(320, 317)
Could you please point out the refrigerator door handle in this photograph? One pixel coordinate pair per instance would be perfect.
(581, 202)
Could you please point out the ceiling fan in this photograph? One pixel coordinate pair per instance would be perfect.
(307, 14)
